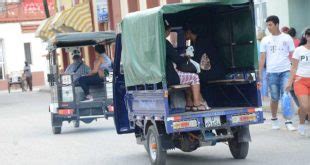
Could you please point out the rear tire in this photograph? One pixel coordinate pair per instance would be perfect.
(156, 153)
(146, 147)
(76, 123)
(56, 124)
(239, 150)
(56, 130)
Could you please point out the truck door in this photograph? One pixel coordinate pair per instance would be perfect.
(121, 120)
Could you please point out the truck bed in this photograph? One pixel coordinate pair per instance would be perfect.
(191, 121)
(217, 112)
(213, 110)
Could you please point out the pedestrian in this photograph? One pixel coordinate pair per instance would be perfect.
(300, 75)
(78, 68)
(285, 29)
(275, 50)
(28, 75)
(292, 33)
(260, 35)
(303, 40)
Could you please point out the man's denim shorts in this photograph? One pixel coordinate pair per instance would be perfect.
(277, 83)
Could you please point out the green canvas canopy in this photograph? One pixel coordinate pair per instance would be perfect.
(143, 39)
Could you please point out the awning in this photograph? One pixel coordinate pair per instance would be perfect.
(77, 18)
(44, 31)
(58, 22)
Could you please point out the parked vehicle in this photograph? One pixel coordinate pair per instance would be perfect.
(66, 99)
(145, 106)
(16, 79)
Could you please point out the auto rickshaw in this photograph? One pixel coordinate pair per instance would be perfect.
(66, 95)
(146, 106)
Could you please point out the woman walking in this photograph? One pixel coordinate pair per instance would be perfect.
(300, 75)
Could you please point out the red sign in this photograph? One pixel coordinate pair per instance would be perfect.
(27, 10)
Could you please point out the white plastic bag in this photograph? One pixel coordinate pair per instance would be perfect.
(196, 64)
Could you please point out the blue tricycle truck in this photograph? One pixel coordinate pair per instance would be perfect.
(155, 112)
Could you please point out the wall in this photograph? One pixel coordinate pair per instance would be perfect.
(280, 9)
(38, 50)
(14, 56)
(299, 15)
(13, 47)
(26, 10)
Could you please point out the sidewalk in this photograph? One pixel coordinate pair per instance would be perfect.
(35, 89)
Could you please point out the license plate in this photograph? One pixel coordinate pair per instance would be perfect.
(214, 121)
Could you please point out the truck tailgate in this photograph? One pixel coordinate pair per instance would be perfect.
(226, 117)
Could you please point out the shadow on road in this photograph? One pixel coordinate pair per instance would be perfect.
(69, 131)
(179, 158)
(194, 158)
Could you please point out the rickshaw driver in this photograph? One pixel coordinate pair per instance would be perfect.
(78, 68)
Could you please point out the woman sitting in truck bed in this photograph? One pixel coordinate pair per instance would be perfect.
(194, 99)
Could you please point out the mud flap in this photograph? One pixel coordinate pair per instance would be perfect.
(166, 142)
(56, 122)
(243, 134)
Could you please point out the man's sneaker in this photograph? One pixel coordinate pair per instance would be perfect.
(302, 129)
(289, 126)
(275, 124)
(88, 98)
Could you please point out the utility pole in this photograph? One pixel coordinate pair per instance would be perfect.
(47, 12)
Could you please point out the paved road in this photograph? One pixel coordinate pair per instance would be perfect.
(26, 138)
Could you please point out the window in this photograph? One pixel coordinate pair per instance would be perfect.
(2, 7)
(2, 73)
(27, 47)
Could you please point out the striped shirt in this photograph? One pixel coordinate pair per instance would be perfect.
(82, 70)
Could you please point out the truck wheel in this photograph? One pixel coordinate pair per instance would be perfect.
(146, 147)
(76, 123)
(56, 124)
(239, 150)
(156, 153)
(56, 130)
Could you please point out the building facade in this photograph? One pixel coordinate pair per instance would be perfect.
(292, 13)
(18, 22)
